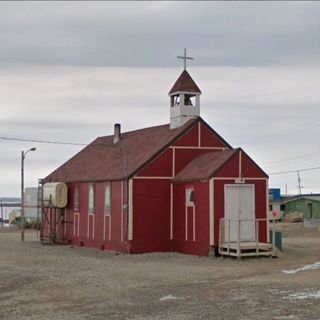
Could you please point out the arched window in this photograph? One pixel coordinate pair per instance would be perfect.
(189, 197)
(76, 200)
(107, 200)
(91, 199)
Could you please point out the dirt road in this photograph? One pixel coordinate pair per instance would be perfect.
(64, 282)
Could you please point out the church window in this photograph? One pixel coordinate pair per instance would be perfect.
(76, 200)
(91, 199)
(107, 200)
(189, 197)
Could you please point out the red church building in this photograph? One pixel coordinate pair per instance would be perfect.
(166, 188)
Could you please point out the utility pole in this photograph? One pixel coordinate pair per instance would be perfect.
(22, 225)
(1, 213)
(22, 196)
(299, 182)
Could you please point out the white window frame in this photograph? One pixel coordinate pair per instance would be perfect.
(107, 209)
(76, 199)
(189, 192)
(91, 199)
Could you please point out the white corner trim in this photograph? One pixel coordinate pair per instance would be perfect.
(211, 212)
(171, 211)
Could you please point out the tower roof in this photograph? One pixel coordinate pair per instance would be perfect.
(185, 84)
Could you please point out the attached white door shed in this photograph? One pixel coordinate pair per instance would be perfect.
(239, 206)
(240, 226)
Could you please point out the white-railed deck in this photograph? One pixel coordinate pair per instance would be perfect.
(233, 240)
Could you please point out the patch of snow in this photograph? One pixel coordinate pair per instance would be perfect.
(309, 294)
(290, 317)
(169, 297)
(313, 266)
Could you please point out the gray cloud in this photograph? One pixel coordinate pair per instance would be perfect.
(152, 34)
(70, 70)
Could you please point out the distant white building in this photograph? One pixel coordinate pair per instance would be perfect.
(14, 213)
(30, 203)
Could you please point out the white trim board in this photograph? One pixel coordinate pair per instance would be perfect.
(198, 147)
(149, 177)
(211, 212)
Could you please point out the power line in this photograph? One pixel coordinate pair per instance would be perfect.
(84, 144)
(282, 172)
(43, 141)
(304, 157)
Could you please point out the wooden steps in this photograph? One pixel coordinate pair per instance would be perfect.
(246, 249)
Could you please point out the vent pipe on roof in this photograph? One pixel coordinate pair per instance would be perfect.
(117, 133)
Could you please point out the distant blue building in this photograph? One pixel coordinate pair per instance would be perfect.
(275, 203)
(275, 194)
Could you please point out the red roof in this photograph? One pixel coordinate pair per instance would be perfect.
(103, 161)
(185, 84)
(204, 166)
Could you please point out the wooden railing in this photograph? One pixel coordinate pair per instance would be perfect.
(233, 235)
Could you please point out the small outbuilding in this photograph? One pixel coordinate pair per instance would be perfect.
(305, 206)
(174, 187)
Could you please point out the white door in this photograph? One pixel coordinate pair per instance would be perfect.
(239, 209)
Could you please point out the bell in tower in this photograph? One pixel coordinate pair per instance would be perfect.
(184, 98)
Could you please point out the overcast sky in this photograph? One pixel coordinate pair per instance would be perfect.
(70, 70)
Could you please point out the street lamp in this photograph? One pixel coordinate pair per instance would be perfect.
(22, 226)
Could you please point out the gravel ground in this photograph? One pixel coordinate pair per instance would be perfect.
(65, 282)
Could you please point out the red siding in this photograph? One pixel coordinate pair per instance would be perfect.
(151, 204)
(230, 168)
(151, 216)
(249, 168)
(209, 139)
(190, 139)
(260, 205)
(99, 214)
(98, 220)
(179, 213)
(116, 211)
(184, 156)
(70, 211)
(199, 245)
(160, 167)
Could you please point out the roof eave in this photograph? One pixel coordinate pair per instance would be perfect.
(184, 92)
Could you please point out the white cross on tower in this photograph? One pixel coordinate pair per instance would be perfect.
(184, 57)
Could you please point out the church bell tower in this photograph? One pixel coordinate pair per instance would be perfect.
(184, 98)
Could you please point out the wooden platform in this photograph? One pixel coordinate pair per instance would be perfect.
(246, 249)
